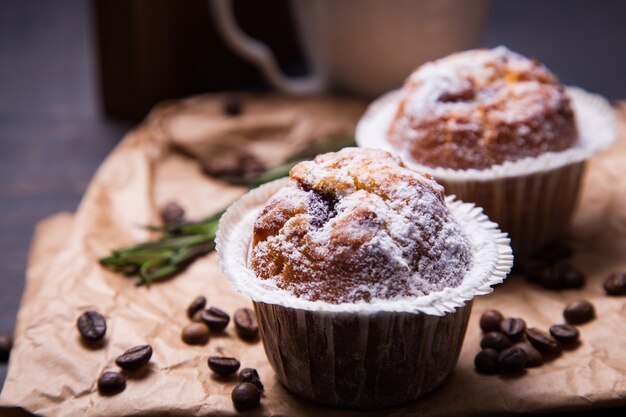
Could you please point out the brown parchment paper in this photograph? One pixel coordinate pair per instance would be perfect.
(51, 373)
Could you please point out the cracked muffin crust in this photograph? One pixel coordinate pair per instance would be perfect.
(357, 225)
(480, 108)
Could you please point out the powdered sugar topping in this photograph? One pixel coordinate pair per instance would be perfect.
(358, 226)
(479, 108)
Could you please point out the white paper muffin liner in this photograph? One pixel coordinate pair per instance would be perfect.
(595, 120)
(535, 210)
(492, 261)
(361, 361)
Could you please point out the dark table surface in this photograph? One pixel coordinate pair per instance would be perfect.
(53, 135)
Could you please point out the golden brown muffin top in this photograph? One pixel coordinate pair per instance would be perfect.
(480, 108)
(357, 225)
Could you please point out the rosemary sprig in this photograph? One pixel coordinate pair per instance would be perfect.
(182, 243)
(167, 256)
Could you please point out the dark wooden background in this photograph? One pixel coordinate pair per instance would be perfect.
(54, 134)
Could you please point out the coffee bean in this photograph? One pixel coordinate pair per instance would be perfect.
(197, 318)
(248, 374)
(512, 360)
(252, 376)
(554, 277)
(223, 365)
(245, 396)
(233, 106)
(543, 342)
(91, 325)
(571, 277)
(495, 340)
(216, 319)
(490, 321)
(172, 213)
(552, 252)
(134, 358)
(487, 361)
(565, 333)
(615, 284)
(550, 278)
(246, 324)
(196, 306)
(235, 164)
(513, 328)
(195, 334)
(533, 269)
(111, 383)
(579, 312)
(535, 358)
(6, 344)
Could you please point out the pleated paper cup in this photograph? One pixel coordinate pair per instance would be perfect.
(533, 199)
(362, 355)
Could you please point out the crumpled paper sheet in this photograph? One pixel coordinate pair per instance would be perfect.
(52, 374)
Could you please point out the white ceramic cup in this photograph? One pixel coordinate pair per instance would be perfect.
(365, 47)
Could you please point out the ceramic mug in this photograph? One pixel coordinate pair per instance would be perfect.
(365, 47)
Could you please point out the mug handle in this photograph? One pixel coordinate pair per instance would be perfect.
(259, 53)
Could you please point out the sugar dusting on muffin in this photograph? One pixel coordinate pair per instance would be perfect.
(357, 225)
(480, 108)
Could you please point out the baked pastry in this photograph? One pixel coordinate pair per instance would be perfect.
(496, 129)
(358, 225)
(362, 276)
(480, 108)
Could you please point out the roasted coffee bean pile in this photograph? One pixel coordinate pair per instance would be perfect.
(92, 327)
(133, 360)
(548, 268)
(251, 375)
(205, 321)
(247, 394)
(509, 346)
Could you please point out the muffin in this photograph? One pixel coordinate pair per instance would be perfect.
(498, 129)
(362, 276)
(482, 108)
(357, 226)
